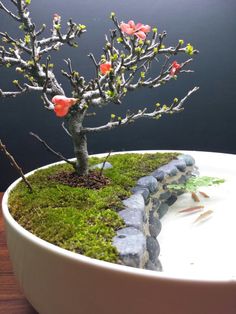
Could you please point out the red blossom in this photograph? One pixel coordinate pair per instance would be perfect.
(175, 68)
(139, 30)
(105, 68)
(62, 104)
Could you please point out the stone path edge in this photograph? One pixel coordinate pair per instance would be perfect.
(137, 243)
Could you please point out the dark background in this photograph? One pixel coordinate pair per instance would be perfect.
(208, 122)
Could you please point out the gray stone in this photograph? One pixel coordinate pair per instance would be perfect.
(135, 201)
(189, 160)
(182, 179)
(107, 165)
(154, 225)
(150, 266)
(155, 203)
(158, 174)
(137, 241)
(149, 182)
(131, 245)
(153, 249)
(159, 265)
(180, 164)
(132, 217)
(156, 267)
(171, 200)
(163, 210)
(169, 169)
(165, 195)
(143, 191)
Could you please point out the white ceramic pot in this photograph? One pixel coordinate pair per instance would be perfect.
(57, 281)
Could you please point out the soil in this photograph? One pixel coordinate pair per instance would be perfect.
(94, 180)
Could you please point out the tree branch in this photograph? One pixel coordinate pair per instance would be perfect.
(59, 155)
(130, 118)
(15, 165)
(15, 17)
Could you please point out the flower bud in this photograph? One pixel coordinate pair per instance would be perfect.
(154, 29)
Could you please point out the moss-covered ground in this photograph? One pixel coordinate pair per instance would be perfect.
(80, 219)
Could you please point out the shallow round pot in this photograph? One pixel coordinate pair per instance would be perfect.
(58, 281)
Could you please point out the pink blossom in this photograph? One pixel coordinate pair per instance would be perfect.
(56, 18)
(105, 67)
(175, 68)
(62, 104)
(139, 30)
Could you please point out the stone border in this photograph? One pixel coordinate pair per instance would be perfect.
(137, 243)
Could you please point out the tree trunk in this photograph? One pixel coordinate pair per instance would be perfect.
(79, 140)
(81, 153)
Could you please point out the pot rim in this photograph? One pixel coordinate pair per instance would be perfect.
(99, 263)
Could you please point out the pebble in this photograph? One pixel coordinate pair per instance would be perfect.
(150, 183)
(189, 160)
(131, 245)
(165, 195)
(154, 225)
(182, 179)
(169, 169)
(143, 191)
(107, 165)
(133, 217)
(171, 200)
(135, 201)
(153, 249)
(180, 164)
(155, 203)
(163, 210)
(158, 174)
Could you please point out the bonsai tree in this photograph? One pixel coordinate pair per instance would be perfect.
(129, 52)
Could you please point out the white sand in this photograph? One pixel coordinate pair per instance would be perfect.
(205, 250)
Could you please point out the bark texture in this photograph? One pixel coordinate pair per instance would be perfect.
(79, 140)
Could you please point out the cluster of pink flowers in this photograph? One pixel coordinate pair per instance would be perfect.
(139, 30)
(62, 104)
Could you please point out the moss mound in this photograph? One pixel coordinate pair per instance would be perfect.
(77, 218)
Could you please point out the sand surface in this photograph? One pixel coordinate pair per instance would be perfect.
(204, 250)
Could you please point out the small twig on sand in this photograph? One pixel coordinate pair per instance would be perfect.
(15, 165)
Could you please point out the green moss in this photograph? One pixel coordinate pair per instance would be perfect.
(80, 219)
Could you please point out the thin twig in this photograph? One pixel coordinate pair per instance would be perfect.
(91, 56)
(104, 163)
(52, 150)
(15, 17)
(65, 129)
(140, 114)
(15, 165)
